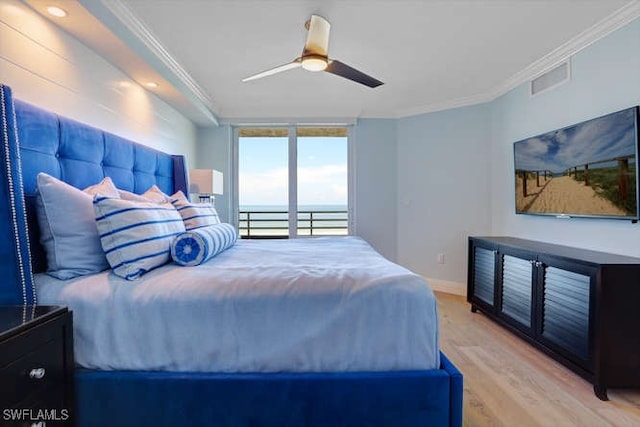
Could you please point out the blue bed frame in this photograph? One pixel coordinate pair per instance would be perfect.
(36, 140)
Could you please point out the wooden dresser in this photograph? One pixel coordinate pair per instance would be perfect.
(579, 306)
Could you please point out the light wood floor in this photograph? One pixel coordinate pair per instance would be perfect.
(507, 382)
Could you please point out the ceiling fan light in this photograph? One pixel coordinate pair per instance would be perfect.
(314, 63)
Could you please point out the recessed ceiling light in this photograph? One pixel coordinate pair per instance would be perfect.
(151, 85)
(56, 11)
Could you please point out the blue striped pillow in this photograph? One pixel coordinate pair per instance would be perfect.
(197, 246)
(135, 236)
(194, 215)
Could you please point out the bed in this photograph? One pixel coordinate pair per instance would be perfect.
(304, 377)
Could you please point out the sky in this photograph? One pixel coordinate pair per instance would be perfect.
(599, 139)
(322, 171)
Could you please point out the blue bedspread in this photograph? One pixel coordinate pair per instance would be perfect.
(299, 305)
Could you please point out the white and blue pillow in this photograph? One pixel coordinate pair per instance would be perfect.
(199, 245)
(194, 215)
(136, 237)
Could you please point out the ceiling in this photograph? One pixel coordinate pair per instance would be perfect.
(431, 54)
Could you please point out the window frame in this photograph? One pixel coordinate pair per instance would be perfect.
(293, 172)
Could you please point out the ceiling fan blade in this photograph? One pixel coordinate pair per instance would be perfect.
(343, 70)
(317, 37)
(280, 68)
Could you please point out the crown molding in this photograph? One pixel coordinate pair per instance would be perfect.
(606, 26)
(127, 18)
(445, 105)
(123, 22)
(289, 121)
(144, 34)
(613, 22)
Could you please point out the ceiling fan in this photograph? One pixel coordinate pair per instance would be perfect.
(314, 57)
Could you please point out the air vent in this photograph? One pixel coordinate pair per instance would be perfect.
(551, 78)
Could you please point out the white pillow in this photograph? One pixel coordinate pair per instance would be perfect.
(194, 215)
(106, 188)
(136, 236)
(156, 195)
(68, 230)
(128, 195)
(152, 195)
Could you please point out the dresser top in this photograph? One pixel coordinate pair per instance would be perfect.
(568, 252)
(16, 318)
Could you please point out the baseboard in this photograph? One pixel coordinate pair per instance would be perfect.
(447, 286)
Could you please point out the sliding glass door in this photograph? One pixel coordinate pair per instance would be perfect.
(263, 182)
(292, 181)
(322, 181)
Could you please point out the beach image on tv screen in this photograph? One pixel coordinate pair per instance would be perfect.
(586, 169)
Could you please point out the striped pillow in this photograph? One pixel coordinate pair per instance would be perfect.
(194, 215)
(197, 246)
(136, 237)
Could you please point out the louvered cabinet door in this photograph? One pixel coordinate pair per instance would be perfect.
(565, 312)
(516, 289)
(484, 274)
(579, 306)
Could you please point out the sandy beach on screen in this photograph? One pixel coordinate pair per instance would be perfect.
(563, 195)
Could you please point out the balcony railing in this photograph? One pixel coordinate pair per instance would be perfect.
(275, 224)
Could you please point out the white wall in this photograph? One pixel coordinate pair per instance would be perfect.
(214, 152)
(444, 172)
(376, 183)
(455, 168)
(47, 67)
(605, 78)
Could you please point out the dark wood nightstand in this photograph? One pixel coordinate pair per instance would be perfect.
(36, 366)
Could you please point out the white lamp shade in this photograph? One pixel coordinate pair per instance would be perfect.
(205, 181)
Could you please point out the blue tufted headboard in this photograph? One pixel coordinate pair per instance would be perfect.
(80, 155)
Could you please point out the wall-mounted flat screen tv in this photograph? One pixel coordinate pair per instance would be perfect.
(585, 170)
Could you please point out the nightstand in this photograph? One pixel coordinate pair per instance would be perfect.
(36, 366)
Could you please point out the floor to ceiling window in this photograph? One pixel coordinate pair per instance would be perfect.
(292, 181)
